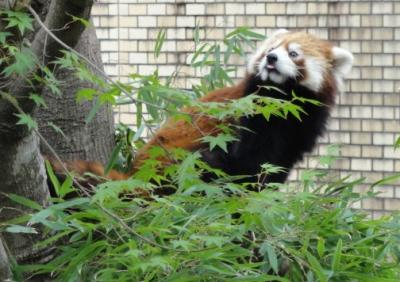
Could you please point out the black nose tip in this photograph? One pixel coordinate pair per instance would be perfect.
(272, 58)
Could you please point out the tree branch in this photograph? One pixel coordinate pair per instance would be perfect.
(60, 19)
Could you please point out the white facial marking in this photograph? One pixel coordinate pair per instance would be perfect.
(267, 44)
(342, 63)
(315, 70)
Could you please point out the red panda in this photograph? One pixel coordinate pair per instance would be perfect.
(293, 62)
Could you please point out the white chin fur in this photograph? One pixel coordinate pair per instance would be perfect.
(277, 78)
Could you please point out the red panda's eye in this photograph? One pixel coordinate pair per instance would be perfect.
(293, 54)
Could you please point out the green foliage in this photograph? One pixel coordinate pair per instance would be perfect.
(17, 19)
(216, 231)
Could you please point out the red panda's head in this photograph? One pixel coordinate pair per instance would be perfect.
(302, 57)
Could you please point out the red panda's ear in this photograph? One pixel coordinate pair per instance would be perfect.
(279, 32)
(342, 62)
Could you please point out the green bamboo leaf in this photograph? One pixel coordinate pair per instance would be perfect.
(337, 255)
(24, 201)
(159, 42)
(21, 229)
(267, 249)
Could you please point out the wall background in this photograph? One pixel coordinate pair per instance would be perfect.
(367, 118)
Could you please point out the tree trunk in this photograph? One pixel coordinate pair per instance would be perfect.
(5, 272)
(22, 168)
(93, 141)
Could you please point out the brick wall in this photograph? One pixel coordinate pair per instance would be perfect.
(366, 120)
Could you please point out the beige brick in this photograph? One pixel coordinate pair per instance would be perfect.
(166, 21)
(341, 33)
(372, 125)
(372, 204)
(339, 8)
(391, 46)
(128, 21)
(392, 204)
(339, 137)
(137, 9)
(265, 21)
(185, 21)
(206, 21)
(147, 21)
(382, 60)
(350, 99)
(382, 8)
(384, 192)
(166, 70)
(285, 21)
(195, 9)
(361, 86)
(383, 86)
(389, 152)
(383, 113)
(111, 70)
(383, 138)
(372, 73)
(317, 8)
(138, 33)
(108, 45)
(350, 151)
(161, 59)
(137, 58)
(371, 47)
(353, 46)
(255, 8)
(382, 33)
(361, 33)
(275, 8)
(123, 58)
(245, 21)
(361, 164)
(215, 9)
(391, 73)
(361, 111)
(306, 21)
(147, 69)
(392, 99)
(349, 21)
(296, 8)
(128, 46)
(100, 10)
(350, 124)
(234, 8)
(391, 20)
(156, 9)
(392, 126)
(361, 138)
(371, 151)
(109, 21)
(176, 33)
(375, 21)
(113, 9)
(382, 165)
(360, 8)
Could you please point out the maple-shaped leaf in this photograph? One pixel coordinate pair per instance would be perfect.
(27, 120)
(20, 20)
(221, 140)
(24, 62)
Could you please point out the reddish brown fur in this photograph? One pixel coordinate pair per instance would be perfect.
(174, 134)
(186, 135)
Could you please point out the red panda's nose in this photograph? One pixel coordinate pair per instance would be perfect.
(272, 58)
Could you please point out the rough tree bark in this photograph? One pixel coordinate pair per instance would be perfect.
(22, 170)
(92, 141)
